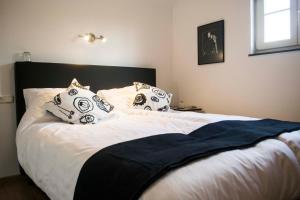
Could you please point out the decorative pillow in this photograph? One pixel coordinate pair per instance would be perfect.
(78, 105)
(151, 98)
(121, 98)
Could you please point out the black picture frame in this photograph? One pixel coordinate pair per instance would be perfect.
(211, 43)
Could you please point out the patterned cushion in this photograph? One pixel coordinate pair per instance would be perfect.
(151, 98)
(78, 105)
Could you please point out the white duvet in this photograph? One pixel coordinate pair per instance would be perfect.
(52, 154)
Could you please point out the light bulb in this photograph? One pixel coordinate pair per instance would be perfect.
(91, 37)
(104, 39)
(86, 37)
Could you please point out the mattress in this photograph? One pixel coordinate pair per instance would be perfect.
(52, 153)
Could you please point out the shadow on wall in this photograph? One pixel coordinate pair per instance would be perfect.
(7, 79)
(8, 153)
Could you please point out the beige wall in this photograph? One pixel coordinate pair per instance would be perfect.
(138, 33)
(260, 86)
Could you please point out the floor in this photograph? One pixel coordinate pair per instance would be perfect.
(20, 188)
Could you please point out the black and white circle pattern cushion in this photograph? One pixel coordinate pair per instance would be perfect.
(78, 105)
(151, 98)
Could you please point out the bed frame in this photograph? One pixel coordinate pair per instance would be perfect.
(56, 75)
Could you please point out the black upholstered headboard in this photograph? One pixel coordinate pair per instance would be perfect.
(55, 75)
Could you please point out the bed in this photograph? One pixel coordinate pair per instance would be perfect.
(52, 153)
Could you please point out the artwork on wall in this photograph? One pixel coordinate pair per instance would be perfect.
(211, 43)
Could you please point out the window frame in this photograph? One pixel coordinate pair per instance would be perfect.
(257, 30)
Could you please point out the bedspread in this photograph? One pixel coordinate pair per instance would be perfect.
(52, 154)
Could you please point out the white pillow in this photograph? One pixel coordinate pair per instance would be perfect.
(38, 96)
(151, 98)
(121, 98)
(78, 105)
(35, 98)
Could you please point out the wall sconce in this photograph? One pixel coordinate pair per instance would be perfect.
(91, 37)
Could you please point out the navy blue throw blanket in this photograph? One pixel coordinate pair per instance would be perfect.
(125, 170)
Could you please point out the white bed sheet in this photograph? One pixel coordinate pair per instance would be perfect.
(292, 139)
(52, 154)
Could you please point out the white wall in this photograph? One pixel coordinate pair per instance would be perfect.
(138, 33)
(260, 86)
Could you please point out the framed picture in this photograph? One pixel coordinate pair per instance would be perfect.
(211, 43)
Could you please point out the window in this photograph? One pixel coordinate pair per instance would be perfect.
(276, 25)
